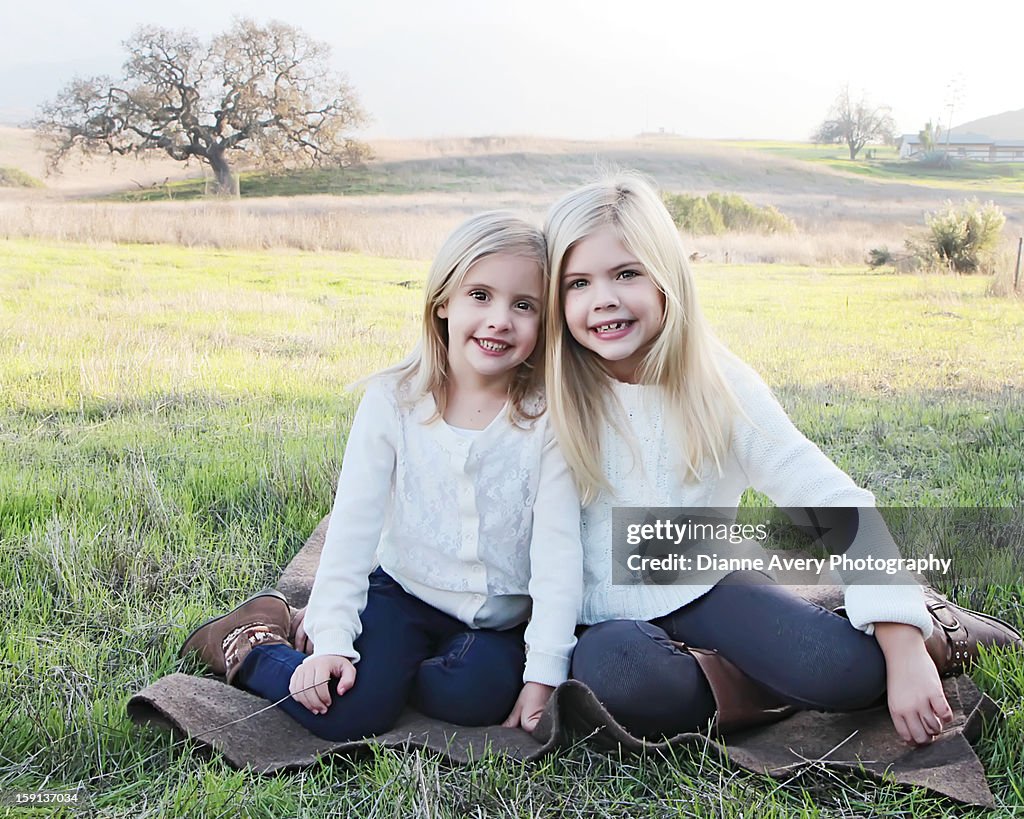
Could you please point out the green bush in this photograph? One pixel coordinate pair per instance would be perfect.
(909, 262)
(880, 256)
(694, 214)
(739, 214)
(720, 212)
(962, 238)
(935, 159)
(16, 178)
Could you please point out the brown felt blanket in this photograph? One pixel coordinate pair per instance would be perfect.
(202, 707)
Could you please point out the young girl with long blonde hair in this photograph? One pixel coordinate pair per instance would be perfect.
(652, 411)
(452, 481)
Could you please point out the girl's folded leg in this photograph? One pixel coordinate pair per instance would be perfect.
(474, 679)
(807, 655)
(650, 686)
(397, 636)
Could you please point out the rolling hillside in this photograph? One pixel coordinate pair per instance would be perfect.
(1006, 126)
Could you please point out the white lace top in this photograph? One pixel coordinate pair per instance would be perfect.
(474, 526)
(769, 454)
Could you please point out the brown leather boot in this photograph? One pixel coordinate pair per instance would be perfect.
(957, 632)
(739, 701)
(224, 642)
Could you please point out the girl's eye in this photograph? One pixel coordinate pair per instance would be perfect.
(576, 284)
(524, 305)
(479, 295)
(629, 274)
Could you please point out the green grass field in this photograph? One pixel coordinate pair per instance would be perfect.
(371, 179)
(171, 424)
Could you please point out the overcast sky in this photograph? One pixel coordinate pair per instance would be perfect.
(579, 68)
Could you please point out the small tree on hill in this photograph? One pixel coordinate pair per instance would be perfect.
(263, 90)
(855, 123)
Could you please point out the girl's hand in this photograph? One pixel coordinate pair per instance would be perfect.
(300, 639)
(309, 683)
(529, 706)
(917, 704)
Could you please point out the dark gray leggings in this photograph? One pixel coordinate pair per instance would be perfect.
(808, 656)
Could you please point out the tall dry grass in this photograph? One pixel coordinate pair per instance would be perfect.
(1006, 279)
(224, 225)
(842, 243)
(410, 227)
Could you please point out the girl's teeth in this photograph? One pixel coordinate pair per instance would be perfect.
(488, 345)
(611, 328)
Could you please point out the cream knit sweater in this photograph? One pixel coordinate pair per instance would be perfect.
(485, 529)
(767, 453)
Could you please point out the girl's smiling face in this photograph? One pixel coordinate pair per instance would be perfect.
(493, 319)
(612, 306)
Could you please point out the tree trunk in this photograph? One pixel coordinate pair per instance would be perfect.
(225, 179)
(853, 150)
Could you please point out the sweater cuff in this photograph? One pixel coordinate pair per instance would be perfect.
(335, 641)
(867, 605)
(547, 669)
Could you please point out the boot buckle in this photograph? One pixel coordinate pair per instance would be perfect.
(944, 617)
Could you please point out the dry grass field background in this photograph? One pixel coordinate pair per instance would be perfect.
(413, 192)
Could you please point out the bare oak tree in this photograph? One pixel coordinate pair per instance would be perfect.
(266, 91)
(856, 124)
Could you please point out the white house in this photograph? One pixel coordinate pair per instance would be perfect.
(970, 146)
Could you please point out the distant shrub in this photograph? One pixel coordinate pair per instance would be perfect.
(880, 256)
(717, 213)
(17, 178)
(935, 159)
(960, 238)
(739, 214)
(694, 214)
(899, 262)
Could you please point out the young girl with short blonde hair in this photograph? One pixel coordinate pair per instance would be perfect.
(452, 481)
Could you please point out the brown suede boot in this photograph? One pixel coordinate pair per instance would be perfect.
(224, 642)
(957, 632)
(739, 701)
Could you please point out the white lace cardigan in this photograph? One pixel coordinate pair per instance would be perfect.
(476, 527)
(767, 453)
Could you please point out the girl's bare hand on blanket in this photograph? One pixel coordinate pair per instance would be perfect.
(300, 639)
(917, 704)
(529, 706)
(310, 681)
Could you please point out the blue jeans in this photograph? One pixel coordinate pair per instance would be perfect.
(410, 653)
(807, 656)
